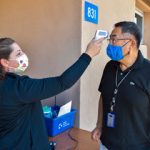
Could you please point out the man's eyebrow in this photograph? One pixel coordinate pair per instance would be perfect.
(113, 35)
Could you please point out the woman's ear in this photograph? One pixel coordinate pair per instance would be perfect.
(4, 62)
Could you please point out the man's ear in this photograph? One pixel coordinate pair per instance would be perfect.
(134, 43)
(4, 62)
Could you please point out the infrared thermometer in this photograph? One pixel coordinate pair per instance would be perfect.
(101, 34)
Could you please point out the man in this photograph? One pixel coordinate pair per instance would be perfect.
(124, 107)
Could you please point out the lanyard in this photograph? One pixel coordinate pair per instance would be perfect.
(113, 102)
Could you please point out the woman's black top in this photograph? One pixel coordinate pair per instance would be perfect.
(22, 125)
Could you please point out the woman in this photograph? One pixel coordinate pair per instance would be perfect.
(21, 117)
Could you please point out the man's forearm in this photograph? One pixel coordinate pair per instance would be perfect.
(100, 113)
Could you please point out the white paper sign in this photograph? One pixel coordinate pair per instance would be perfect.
(65, 109)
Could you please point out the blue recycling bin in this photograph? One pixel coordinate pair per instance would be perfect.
(60, 124)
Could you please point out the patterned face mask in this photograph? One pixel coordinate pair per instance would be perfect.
(23, 64)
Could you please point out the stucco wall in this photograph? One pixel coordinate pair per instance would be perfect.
(54, 33)
(110, 12)
(147, 32)
(49, 32)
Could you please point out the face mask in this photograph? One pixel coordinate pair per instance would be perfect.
(23, 63)
(115, 52)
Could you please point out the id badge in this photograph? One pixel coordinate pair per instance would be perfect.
(111, 120)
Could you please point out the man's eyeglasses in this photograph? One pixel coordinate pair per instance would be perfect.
(114, 40)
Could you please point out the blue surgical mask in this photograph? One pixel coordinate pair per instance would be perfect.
(115, 52)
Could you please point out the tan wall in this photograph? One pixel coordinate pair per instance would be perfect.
(49, 32)
(110, 12)
(145, 8)
(147, 32)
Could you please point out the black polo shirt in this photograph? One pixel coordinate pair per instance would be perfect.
(132, 107)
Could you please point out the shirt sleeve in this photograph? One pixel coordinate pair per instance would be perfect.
(29, 90)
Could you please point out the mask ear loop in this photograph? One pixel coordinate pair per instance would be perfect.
(125, 45)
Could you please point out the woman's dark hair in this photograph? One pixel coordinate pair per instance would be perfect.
(132, 28)
(5, 50)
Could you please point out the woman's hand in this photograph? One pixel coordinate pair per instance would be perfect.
(94, 47)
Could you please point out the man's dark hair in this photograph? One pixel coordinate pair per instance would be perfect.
(5, 50)
(132, 28)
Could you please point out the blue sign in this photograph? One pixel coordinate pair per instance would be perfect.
(91, 12)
